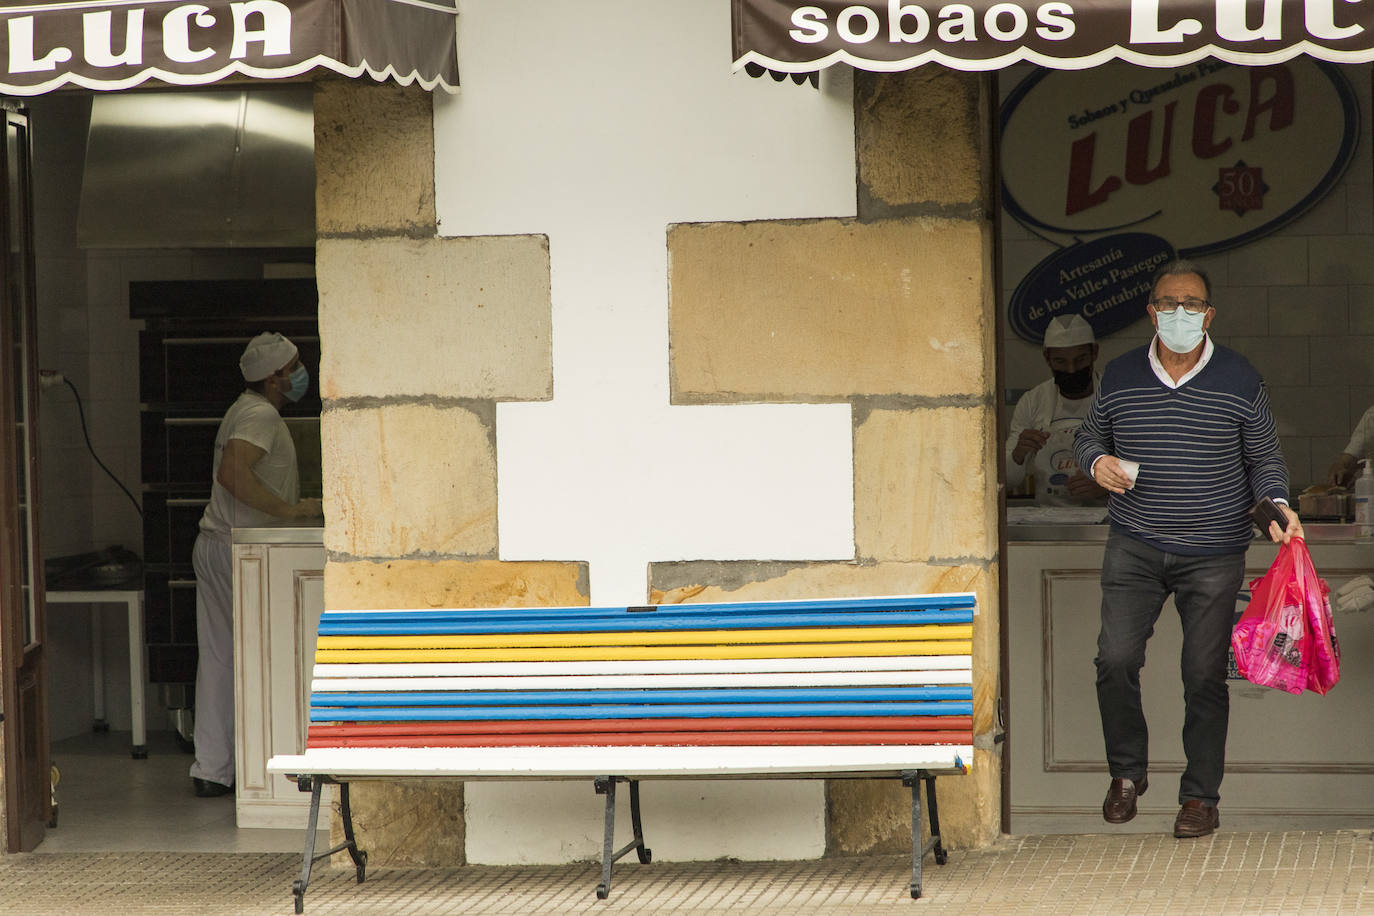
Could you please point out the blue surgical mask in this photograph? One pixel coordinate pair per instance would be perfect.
(1180, 331)
(300, 380)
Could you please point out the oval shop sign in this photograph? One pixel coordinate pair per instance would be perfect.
(1209, 156)
(1106, 280)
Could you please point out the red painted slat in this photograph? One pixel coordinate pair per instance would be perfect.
(639, 726)
(655, 739)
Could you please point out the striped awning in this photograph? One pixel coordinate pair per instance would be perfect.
(119, 44)
(800, 36)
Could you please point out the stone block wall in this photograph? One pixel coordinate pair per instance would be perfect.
(892, 312)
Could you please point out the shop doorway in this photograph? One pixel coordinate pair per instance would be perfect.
(123, 448)
(1279, 218)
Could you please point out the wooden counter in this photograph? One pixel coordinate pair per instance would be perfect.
(278, 599)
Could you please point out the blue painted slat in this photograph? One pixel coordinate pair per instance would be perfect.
(898, 603)
(406, 699)
(665, 711)
(386, 626)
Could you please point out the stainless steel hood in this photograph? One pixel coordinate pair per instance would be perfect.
(200, 169)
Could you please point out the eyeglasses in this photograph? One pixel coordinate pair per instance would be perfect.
(1167, 305)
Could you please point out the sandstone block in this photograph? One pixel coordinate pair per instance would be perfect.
(873, 816)
(438, 317)
(406, 479)
(919, 139)
(374, 159)
(415, 824)
(829, 309)
(925, 484)
(378, 584)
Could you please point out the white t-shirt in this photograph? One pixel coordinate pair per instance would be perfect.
(1044, 408)
(1362, 440)
(253, 419)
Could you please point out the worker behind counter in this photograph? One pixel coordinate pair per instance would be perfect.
(254, 482)
(1043, 425)
(1347, 465)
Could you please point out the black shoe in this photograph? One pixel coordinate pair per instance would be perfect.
(1119, 805)
(207, 789)
(1196, 819)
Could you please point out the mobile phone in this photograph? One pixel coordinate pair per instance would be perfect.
(1266, 511)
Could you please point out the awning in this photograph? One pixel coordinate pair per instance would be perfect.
(118, 44)
(798, 36)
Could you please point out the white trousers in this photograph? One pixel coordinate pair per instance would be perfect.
(213, 562)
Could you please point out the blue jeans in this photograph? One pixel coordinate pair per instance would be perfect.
(1136, 581)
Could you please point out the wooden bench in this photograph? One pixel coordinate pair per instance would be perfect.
(862, 687)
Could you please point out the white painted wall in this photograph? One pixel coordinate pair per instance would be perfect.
(599, 123)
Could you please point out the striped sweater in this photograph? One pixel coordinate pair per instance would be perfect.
(1208, 451)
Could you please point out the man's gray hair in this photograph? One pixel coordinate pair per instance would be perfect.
(1180, 266)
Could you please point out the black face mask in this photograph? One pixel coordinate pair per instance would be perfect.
(1074, 384)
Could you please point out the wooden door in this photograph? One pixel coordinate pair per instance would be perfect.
(28, 794)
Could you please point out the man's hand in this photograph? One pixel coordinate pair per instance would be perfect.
(1343, 470)
(1294, 529)
(1084, 488)
(1109, 475)
(1028, 443)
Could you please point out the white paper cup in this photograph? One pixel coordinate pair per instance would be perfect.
(1131, 470)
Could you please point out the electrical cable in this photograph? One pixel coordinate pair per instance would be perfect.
(82, 414)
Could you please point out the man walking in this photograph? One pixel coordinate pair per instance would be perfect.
(1195, 418)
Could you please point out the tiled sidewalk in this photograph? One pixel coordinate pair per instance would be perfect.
(1309, 872)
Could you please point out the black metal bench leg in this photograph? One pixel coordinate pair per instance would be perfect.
(646, 855)
(609, 854)
(607, 787)
(940, 856)
(315, 786)
(311, 825)
(919, 848)
(359, 856)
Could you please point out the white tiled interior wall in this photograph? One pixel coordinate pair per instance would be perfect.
(84, 331)
(1299, 304)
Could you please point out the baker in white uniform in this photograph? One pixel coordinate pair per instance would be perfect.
(1045, 420)
(255, 480)
(1346, 467)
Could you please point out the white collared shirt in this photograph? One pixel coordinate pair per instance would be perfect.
(1163, 374)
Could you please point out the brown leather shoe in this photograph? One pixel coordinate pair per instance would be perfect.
(1195, 819)
(1119, 805)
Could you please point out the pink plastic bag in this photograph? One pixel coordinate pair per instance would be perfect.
(1285, 638)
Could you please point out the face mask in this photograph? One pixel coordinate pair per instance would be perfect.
(1074, 384)
(1180, 332)
(300, 380)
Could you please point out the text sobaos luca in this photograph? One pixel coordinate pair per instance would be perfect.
(912, 23)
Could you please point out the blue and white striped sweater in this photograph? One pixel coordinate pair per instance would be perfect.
(1207, 451)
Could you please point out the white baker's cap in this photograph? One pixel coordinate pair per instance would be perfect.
(265, 354)
(1068, 331)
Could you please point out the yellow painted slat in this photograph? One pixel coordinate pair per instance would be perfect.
(597, 653)
(646, 638)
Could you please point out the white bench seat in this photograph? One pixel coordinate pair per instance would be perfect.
(629, 762)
